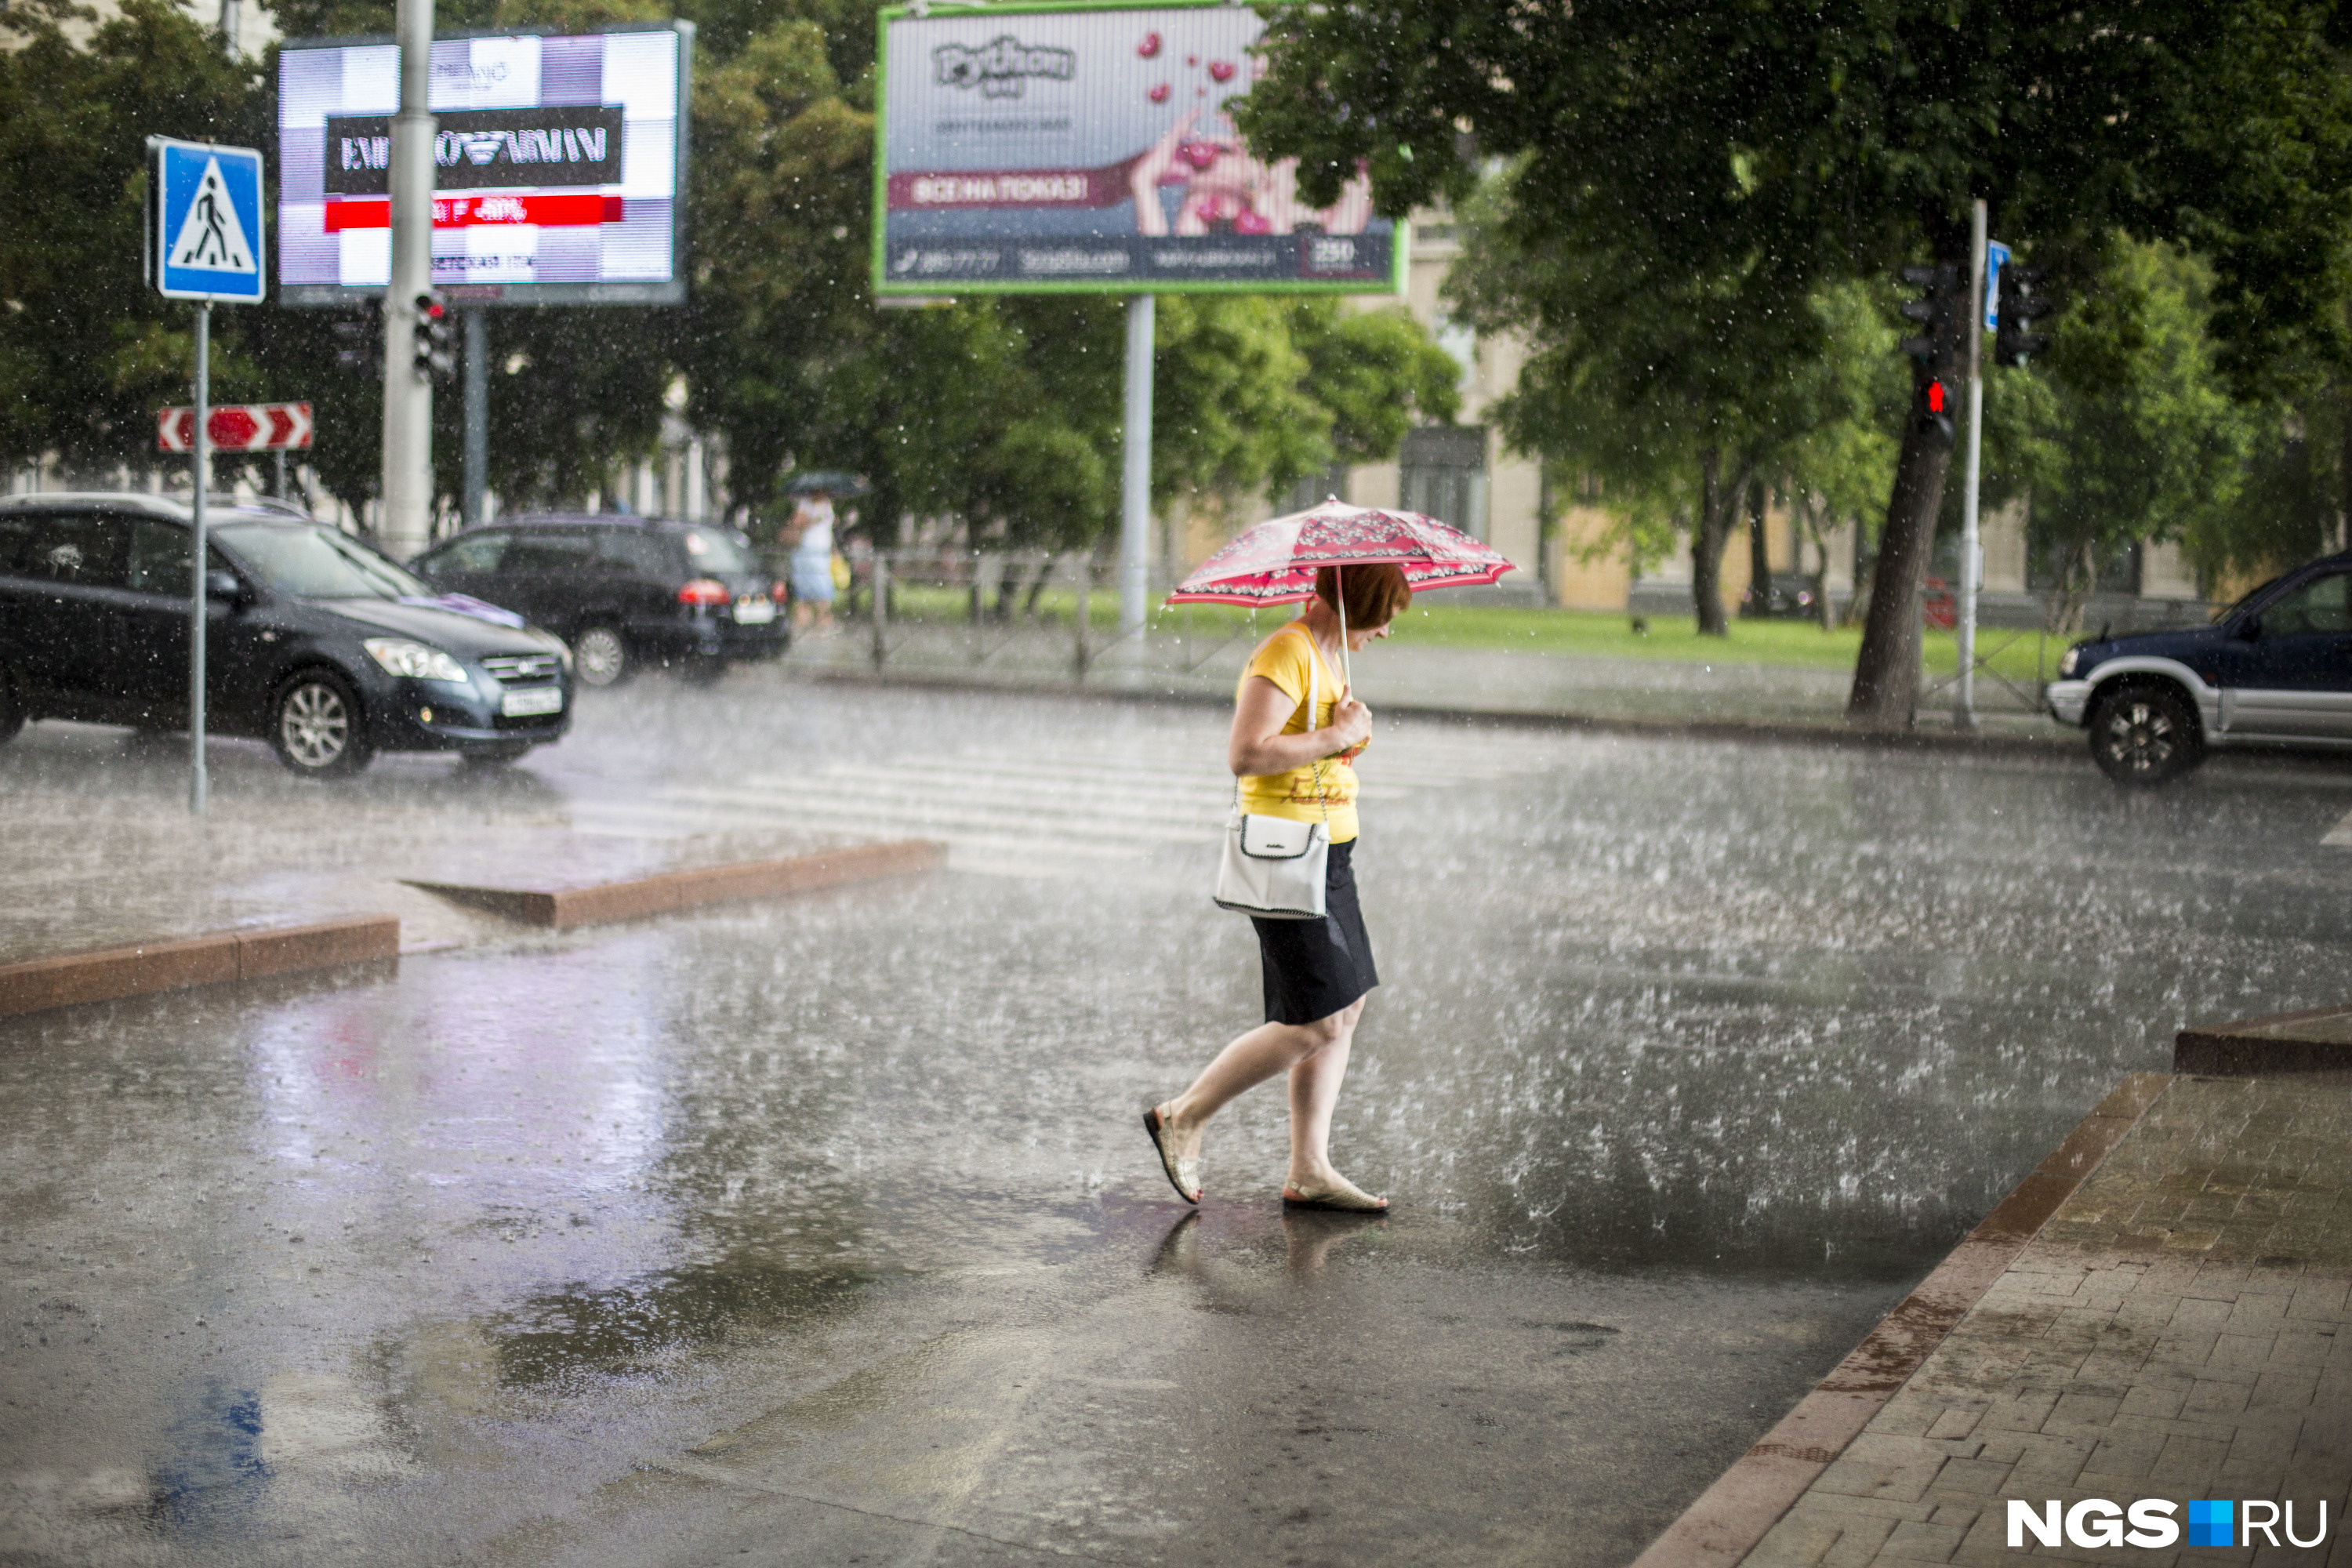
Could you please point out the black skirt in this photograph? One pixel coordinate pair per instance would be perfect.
(1316, 968)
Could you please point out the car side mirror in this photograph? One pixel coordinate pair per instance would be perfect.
(220, 584)
(2250, 630)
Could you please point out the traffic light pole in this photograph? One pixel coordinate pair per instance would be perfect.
(478, 415)
(405, 526)
(1964, 698)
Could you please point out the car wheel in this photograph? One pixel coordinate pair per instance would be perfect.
(2145, 735)
(599, 657)
(316, 726)
(496, 756)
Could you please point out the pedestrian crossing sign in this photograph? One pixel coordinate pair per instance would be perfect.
(205, 238)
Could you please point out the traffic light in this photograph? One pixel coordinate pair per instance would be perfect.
(1941, 348)
(2023, 298)
(1940, 352)
(359, 346)
(431, 332)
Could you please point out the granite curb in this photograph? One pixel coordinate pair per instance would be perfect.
(103, 974)
(2316, 1042)
(563, 907)
(1733, 1515)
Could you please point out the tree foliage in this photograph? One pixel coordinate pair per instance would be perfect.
(2125, 432)
(1001, 413)
(1676, 389)
(88, 351)
(1813, 142)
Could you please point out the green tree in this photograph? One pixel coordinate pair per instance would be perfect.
(1808, 141)
(88, 351)
(1677, 390)
(1837, 472)
(2125, 432)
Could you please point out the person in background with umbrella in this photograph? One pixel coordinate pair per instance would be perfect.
(808, 535)
(1301, 765)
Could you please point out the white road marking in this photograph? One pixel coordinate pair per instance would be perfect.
(1032, 813)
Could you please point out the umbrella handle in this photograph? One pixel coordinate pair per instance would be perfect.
(1347, 663)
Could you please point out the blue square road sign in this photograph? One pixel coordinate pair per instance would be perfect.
(207, 242)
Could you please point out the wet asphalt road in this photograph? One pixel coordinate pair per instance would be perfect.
(821, 1231)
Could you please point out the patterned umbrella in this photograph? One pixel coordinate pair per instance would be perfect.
(1275, 563)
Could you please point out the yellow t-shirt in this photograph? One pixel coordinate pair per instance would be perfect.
(1283, 659)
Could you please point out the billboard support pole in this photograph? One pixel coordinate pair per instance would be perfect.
(1135, 479)
(407, 394)
(478, 416)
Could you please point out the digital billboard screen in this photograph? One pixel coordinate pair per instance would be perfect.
(1032, 150)
(559, 166)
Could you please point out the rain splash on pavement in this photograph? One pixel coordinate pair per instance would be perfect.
(822, 1230)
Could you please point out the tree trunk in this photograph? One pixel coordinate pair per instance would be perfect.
(1759, 552)
(1886, 672)
(1719, 503)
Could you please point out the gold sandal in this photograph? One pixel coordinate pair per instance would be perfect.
(1184, 1173)
(1345, 1198)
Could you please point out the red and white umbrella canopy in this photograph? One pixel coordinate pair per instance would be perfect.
(1276, 563)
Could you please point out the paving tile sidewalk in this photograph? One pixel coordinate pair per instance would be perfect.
(2179, 1328)
(84, 867)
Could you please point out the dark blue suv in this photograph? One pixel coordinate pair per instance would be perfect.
(2276, 669)
(314, 640)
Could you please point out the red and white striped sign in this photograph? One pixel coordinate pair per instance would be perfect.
(237, 427)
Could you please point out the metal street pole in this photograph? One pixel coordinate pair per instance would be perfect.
(408, 395)
(1135, 481)
(478, 416)
(1964, 694)
(197, 596)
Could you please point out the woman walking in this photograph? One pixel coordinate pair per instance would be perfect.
(1298, 764)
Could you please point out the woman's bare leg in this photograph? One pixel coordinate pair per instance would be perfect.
(1264, 1052)
(1314, 1094)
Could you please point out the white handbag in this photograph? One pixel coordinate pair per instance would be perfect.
(1275, 867)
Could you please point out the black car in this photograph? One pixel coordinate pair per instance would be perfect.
(313, 639)
(2273, 670)
(623, 591)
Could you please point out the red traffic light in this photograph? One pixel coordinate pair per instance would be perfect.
(1936, 399)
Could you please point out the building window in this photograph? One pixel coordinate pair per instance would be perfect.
(1442, 473)
(1313, 490)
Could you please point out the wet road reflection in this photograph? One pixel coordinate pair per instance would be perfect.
(821, 1231)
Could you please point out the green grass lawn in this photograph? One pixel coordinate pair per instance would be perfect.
(1602, 633)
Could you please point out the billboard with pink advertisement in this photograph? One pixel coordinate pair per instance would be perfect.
(1048, 147)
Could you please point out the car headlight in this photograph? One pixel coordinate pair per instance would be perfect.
(398, 656)
(2067, 661)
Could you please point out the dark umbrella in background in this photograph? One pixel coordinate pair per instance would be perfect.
(848, 487)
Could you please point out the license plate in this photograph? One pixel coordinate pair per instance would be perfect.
(755, 612)
(537, 700)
